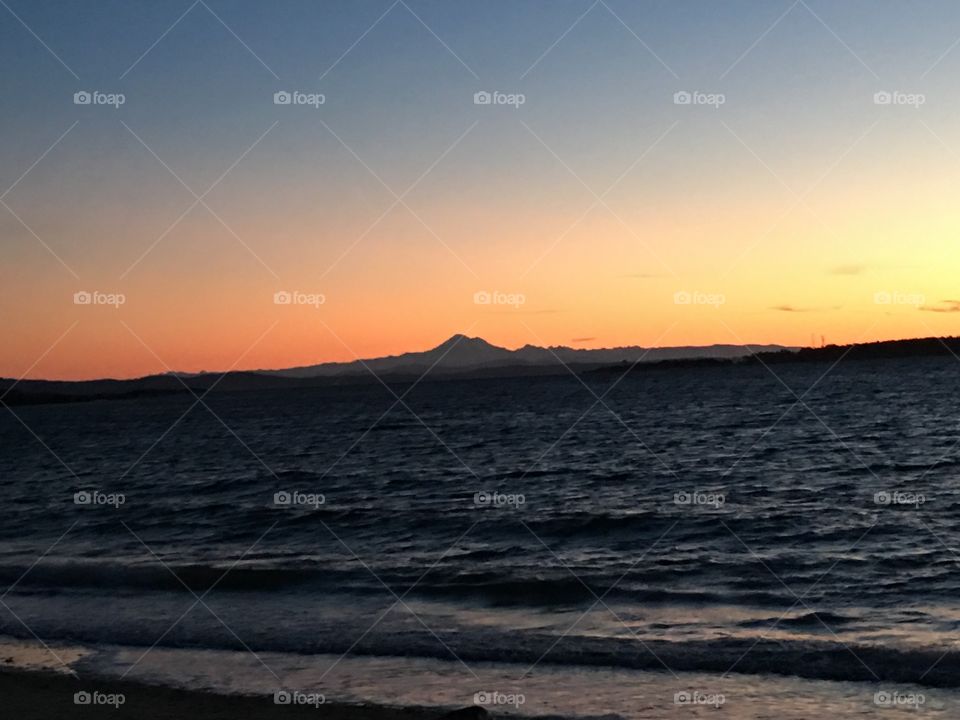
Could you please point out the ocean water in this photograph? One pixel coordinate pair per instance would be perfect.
(696, 541)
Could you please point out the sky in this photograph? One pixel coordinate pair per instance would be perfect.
(647, 173)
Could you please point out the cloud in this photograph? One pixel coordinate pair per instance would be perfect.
(848, 270)
(582, 340)
(946, 306)
(794, 309)
(518, 311)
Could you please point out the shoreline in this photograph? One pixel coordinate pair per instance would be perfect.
(41, 695)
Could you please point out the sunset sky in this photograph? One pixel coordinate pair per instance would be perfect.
(804, 205)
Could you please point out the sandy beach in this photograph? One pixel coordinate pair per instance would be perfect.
(42, 696)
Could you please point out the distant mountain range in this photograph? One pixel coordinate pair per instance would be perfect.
(465, 357)
(459, 356)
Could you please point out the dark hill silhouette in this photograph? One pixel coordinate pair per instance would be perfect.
(879, 350)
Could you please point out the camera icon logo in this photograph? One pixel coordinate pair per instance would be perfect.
(481, 297)
(282, 697)
(282, 97)
(682, 297)
(282, 297)
(82, 98)
(282, 498)
(82, 698)
(482, 98)
(882, 98)
(682, 98)
(883, 698)
(82, 297)
(82, 498)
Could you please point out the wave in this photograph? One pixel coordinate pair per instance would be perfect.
(809, 659)
(493, 588)
(674, 581)
(811, 620)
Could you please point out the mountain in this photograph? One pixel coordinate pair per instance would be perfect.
(461, 354)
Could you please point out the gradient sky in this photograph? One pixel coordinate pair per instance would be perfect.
(799, 202)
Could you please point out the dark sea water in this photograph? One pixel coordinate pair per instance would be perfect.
(692, 529)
